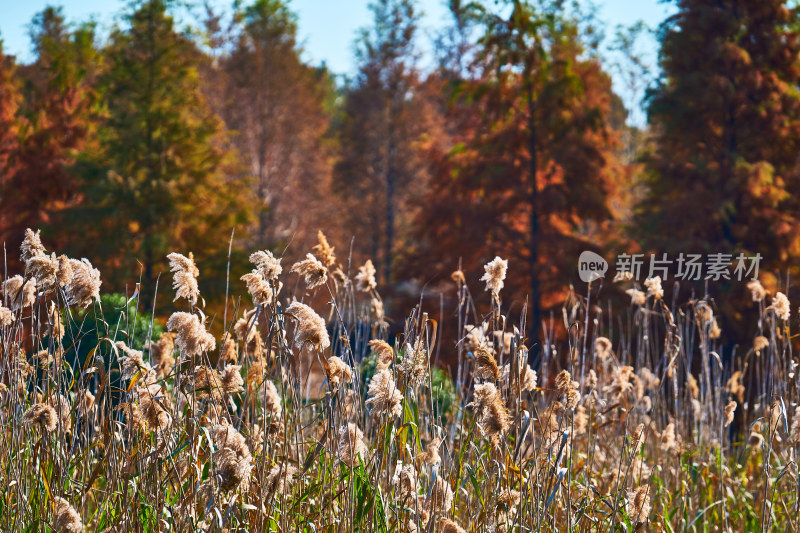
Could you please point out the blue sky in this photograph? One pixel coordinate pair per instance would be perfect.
(327, 28)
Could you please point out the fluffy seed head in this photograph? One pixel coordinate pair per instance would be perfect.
(324, 251)
(232, 459)
(365, 279)
(65, 518)
(529, 378)
(133, 363)
(602, 348)
(448, 526)
(638, 504)
(734, 386)
(351, 444)
(20, 293)
(385, 353)
(64, 272)
(206, 383)
(563, 381)
(486, 366)
(441, 497)
(192, 338)
(638, 298)
(757, 291)
(153, 408)
(404, 481)
(45, 269)
(270, 399)
(28, 293)
(669, 439)
(84, 287)
(12, 287)
(654, 287)
(267, 265)
(259, 288)
(476, 338)
(280, 478)
(730, 409)
(755, 440)
(414, 364)
(85, 403)
(431, 454)
(63, 408)
(760, 343)
(185, 279)
(781, 305)
(6, 316)
(161, 353)
(338, 371)
(231, 379)
(230, 351)
(42, 415)
(573, 397)
(310, 326)
(31, 245)
(495, 275)
(314, 272)
(493, 416)
(384, 396)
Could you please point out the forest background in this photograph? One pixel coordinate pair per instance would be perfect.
(191, 127)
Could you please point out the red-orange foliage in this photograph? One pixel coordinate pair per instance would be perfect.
(725, 175)
(479, 202)
(50, 128)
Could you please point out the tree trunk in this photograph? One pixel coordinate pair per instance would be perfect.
(533, 242)
(391, 179)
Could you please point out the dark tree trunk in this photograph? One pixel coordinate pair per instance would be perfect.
(533, 242)
(391, 179)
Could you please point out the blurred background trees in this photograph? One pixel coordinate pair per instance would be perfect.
(50, 101)
(509, 140)
(723, 174)
(380, 169)
(276, 107)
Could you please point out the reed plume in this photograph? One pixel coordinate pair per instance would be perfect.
(185, 276)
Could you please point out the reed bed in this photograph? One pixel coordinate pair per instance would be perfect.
(301, 418)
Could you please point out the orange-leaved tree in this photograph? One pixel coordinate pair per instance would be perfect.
(724, 174)
(528, 175)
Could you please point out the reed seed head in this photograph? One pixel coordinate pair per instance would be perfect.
(314, 272)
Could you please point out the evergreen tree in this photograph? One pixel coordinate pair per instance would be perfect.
(158, 180)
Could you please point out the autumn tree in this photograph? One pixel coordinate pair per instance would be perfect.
(276, 105)
(380, 168)
(52, 123)
(158, 180)
(530, 177)
(726, 114)
(9, 128)
(455, 46)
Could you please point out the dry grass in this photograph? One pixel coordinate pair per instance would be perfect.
(643, 429)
